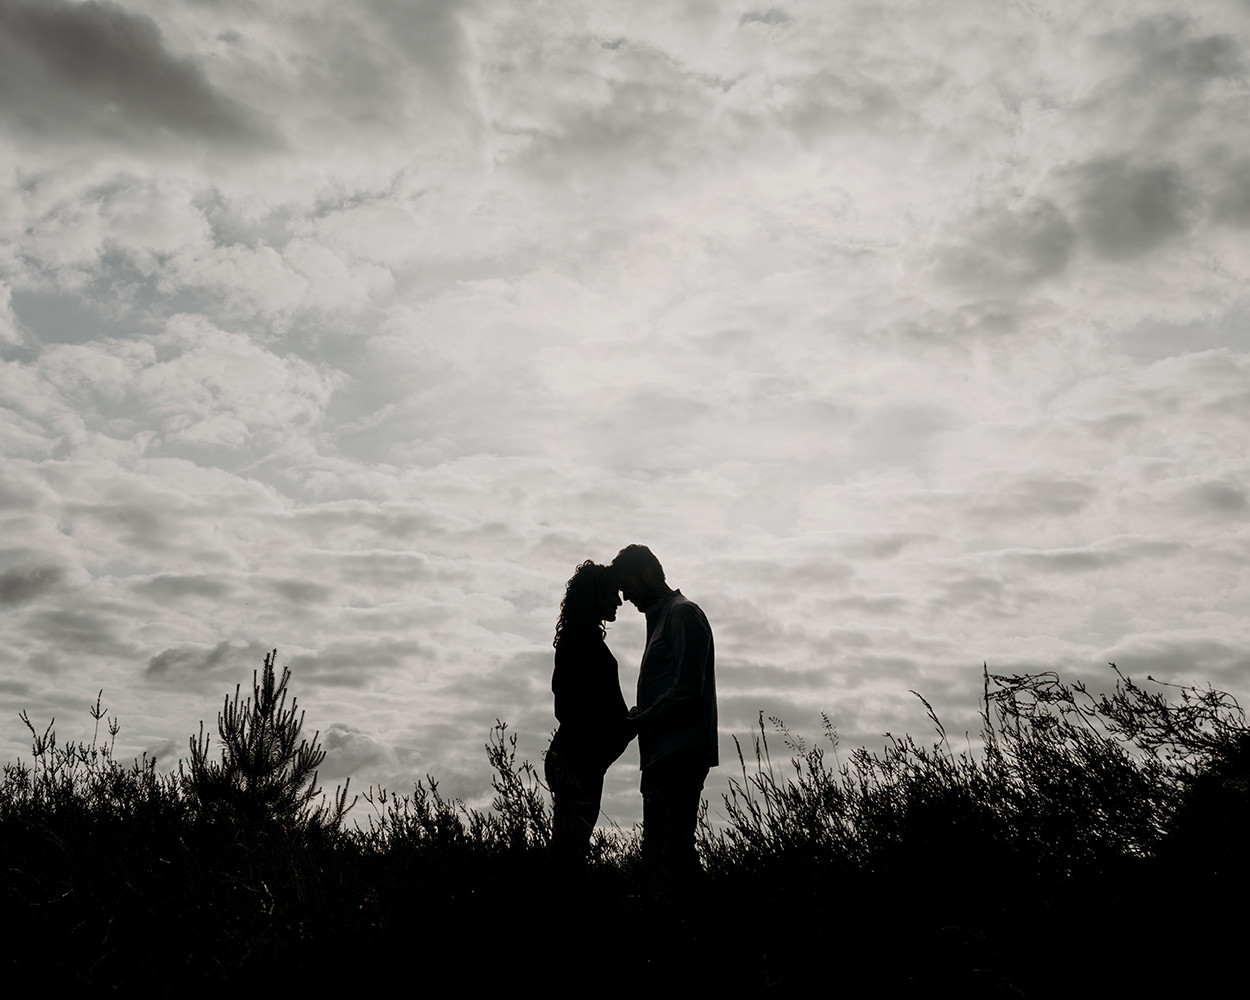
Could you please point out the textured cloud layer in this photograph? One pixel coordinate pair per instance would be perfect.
(910, 337)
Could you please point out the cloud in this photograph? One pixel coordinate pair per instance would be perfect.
(1220, 496)
(1072, 561)
(192, 389)
(636, 104)
(351, 752)
(1008, 248)
(384, 61)
(19, 586)
(9, 332)
(68, 69)
(773, 15)
(908, 338)
(1181, 658)
(358, 661)
(1171, 78)
(198, 666)
(16, 689)
(1227, 193)
(166, 752)
(1034, 497)
(69, 633)
(1125, 209)
(178, 586)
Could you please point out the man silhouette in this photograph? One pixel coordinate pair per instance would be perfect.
(675, 714)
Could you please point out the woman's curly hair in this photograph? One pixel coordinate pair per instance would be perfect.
(580, 607)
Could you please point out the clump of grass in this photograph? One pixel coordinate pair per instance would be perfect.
(519, 819)
(73, 783)
(1068, 779)
(1074, 801)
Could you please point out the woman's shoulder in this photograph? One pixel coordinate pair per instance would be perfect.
(581, 643)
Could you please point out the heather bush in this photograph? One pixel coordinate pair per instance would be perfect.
(1078, 815)
(1065, 779)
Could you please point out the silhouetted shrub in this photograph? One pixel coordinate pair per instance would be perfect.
(1074, 803)
(267, 773)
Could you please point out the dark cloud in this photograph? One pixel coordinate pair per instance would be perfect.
(1229, 198)
(1169, 64)
(301, 591)
(1123, 209)
(1222, 497)
(774, 15)
(1181, 660)
(69, 632)
(168, 586)
(383, 61)
(17, 586)
(1009, 246)
(1214, 501)
(146, 529)
(983, 593)
(1076, 560)
(884, 545)
(1034, 498)
(181, 664)
(1069, 561)
(56, 317)
(425, 33)
(1156, 339)
(358, 663)
(96, 68)
(15, 689)
(641, 115)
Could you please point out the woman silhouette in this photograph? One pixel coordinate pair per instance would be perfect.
(594, 721)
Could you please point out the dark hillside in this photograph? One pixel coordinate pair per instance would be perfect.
(1094, 847)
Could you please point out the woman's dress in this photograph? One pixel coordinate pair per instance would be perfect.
(594, 731)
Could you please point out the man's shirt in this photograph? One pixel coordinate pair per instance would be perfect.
(677, 684)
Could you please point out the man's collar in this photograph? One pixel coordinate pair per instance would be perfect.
(656, 606)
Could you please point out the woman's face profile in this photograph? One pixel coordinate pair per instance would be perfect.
(608, 601)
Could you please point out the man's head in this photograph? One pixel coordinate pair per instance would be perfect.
(640, 575)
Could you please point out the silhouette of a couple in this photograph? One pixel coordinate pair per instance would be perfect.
(674, 717)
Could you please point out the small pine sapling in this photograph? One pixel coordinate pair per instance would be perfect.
(267, 772)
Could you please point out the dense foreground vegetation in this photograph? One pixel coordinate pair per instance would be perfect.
(1093, 845)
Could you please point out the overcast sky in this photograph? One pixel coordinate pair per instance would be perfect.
(909, 335)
